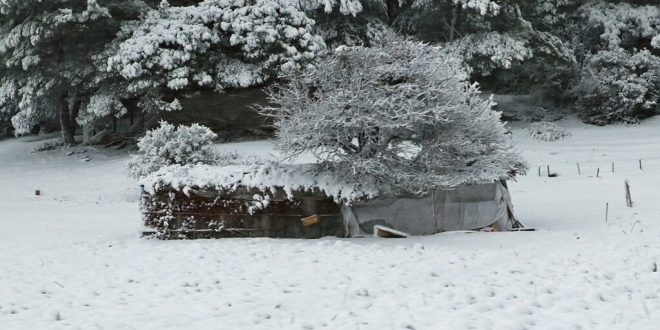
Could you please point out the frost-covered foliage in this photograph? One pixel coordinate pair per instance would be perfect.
(213, 44)
(547, 131)
(348, 22)
(620, 21)
(346, 7)
(484, 7)
(168, 144)
(402, 114)
(551, 12)
(486, 52)
(101, 106)
(26, 100)
(342, 30)
(619, 86)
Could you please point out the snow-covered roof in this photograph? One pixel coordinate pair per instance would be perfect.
(265, 177)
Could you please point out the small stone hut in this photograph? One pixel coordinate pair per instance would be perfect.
(295, 201)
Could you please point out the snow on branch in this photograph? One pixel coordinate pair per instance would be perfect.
(485, 52)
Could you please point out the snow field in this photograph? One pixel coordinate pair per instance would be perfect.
(70, 259)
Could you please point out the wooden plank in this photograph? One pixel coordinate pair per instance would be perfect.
(311, 220)
(386, 232)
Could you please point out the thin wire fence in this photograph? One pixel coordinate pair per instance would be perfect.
(595, 168)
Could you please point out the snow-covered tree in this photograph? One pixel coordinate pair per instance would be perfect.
(589, 51)
(491, 37)
(214, 44)
(616, 85)
(47, 50)
(617, 43)
(403, 114)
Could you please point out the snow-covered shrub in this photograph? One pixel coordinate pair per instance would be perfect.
(547, 131)
(400, 113)
(619, 86)
(168, 145)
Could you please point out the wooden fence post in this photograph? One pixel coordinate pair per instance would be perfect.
(578, 166)
(607, 210)
(629, 201)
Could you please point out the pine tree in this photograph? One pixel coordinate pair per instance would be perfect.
(214, 44)
(47, 50)
(618, 44)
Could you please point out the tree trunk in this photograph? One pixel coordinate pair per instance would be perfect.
(68, 116)
(87, 131)
(138, 126)
(455, 21)
(392, 11)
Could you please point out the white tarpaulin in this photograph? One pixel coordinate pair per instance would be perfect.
(466, 207)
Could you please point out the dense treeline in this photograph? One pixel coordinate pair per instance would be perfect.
(82, 62)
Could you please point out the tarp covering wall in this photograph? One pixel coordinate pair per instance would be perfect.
(467, 207)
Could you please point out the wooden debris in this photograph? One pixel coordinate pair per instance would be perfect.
(523, 229)
(386, 232)
(311, 220)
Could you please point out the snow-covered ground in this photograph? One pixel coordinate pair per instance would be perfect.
(71, 258)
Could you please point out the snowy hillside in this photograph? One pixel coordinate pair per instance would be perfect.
(71, 258)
